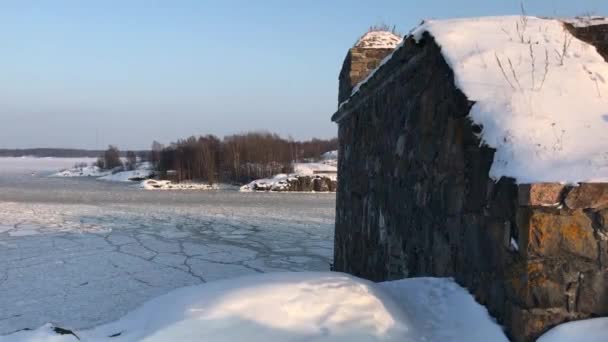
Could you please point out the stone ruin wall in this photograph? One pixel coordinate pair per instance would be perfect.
(415, 199)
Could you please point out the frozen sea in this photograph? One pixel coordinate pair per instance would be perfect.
(80, 252)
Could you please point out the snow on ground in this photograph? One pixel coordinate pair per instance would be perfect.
(142, 171)
(300, 306)
(590, 330)
(80, 265)
(308, 169)
(24, 165)
(378, 39)
(82, 171)
(155, 184)
(542, 107)
(331, 155)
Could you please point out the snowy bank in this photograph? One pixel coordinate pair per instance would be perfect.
(82, 171)
(38, 164)
(307, 177)
(156, 184)
(540, 95)
(299, 307)
(128, 176)
(590, 330)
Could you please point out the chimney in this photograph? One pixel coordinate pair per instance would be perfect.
(363, 58)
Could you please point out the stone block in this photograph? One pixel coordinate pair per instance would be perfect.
(540, 194)
(556, 235)
(588, 196)
(593, 293)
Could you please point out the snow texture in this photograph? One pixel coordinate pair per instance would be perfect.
(546, 116)
(82, 171)
(142, 171)
(24, 165)
(279, 181)
(155, 184)
(378, 39)
(298, 307)
(590, 330)
(540, 95)
(79, 253)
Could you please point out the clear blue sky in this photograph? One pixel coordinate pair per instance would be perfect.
(134, 71)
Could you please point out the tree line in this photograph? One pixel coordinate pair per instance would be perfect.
(236, 158)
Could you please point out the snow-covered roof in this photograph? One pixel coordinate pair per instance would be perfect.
(541, 95)
(378, 39)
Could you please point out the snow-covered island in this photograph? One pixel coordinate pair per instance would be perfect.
(307, 177)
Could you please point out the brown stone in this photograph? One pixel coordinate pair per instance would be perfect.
(588, 196)
(540, 194)
(593, 293)
(553, 236)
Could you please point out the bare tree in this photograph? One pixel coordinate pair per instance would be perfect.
(131, 162)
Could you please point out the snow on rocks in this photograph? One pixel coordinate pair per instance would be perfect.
(378, 39)
(128, 176)
(319, 306)
(330, 155)
(589, 330)
(82, 171)
(307, 177)
(586, 21)
(155, 184)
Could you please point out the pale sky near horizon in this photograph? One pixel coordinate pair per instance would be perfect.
(84, 74)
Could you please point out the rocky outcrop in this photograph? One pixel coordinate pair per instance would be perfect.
(415, 199)
(296, 183)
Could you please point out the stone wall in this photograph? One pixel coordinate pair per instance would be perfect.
(359, 62)
(415, 199)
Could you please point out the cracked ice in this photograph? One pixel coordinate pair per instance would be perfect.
(80, 265)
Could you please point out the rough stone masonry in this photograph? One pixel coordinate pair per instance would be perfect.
(415, 199)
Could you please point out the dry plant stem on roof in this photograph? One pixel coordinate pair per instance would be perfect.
(522, 24)
(542, 82)
(514, 74)
(565, 47)
(504, 73)
(533, 62)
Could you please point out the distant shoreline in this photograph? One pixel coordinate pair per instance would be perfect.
(55, 152)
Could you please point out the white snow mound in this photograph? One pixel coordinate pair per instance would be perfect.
(307, 306)
(590, 330)
(378, 39)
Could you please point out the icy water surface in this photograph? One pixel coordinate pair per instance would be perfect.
(80, 252)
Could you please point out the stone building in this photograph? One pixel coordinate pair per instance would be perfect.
(416, 195)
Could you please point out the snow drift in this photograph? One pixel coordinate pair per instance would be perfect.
(311, 306)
